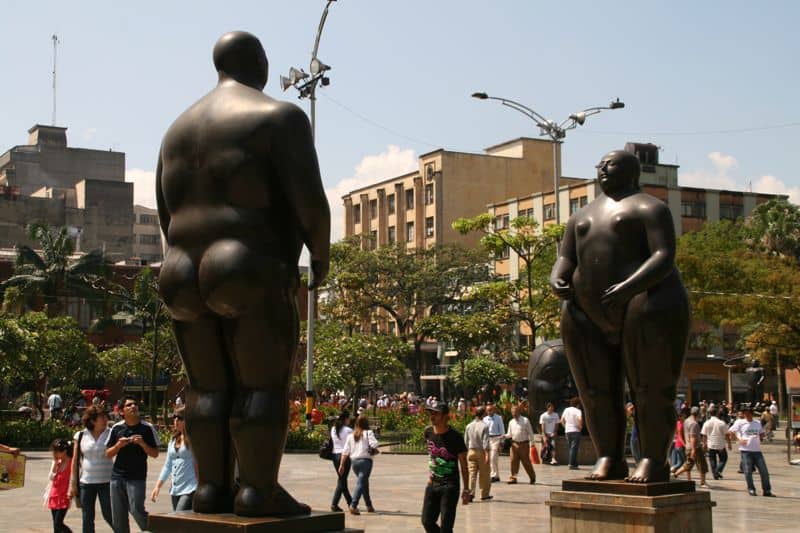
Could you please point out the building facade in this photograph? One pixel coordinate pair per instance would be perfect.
(147, 248)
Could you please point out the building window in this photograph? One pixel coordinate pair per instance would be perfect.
(390, 203)
(392, 235)
(504, 253)
(730, 211)
(500, 222)
(357, 214)
(148, 239)
(693, 209)
(392, 328)
(373, 209)
(373, 239)
(429, 227)
(410, 232)
(574, 205)
(584, 200)
(150, 220)
(429, 194)
(528, 213)
(549, 211)
(409, 198)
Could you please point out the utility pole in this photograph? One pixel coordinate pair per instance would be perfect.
(55, 56)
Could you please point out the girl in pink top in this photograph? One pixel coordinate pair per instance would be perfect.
(679, 444)
(57, 500)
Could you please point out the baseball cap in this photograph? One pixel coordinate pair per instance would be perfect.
(438, 406)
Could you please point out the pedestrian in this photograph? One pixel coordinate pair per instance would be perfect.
(521, 434)
(54, 404)
(678, 456)
(767, 424)
(497, 431)
(130, 442)
(572, 420)
(58, 493)
(91, 469)
(694, 448)
(476, 437)
(448, 455)
(634, 441)
(715, 439)
(773, 410)
(359, 448)
(339, 432)
(548, 424)
(180, 465)
(748, 433)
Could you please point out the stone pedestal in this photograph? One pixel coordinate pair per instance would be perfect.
(188, 521)
(618, 507)
(586, 452)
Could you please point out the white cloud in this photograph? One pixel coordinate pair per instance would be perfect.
(772, 185)
(392, 162)
(144, 186)
(722, 162)
(718, 178)
(89, 133)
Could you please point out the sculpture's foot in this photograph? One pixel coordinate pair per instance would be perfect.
(251, 501)
(211, 499)
(608, 468)
(649, 471)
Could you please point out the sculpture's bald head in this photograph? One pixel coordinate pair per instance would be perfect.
(618, 169)
(239, 55)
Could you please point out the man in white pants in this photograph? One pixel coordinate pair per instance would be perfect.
(497, 430)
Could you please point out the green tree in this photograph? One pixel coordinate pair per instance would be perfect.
(52, 275)
(529, 297)
(480, 371)
(775, 227)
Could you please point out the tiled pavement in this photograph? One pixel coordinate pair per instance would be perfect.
(398, 481)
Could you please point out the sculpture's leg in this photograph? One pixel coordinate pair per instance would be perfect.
(263, 344)
(654, 342)
(208, 402)
(597, 370)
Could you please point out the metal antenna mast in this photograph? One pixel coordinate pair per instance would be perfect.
(55, 52)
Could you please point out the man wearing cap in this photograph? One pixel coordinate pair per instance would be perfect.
(497, 431)
(448, 455)
(748, 433)
(694, 449)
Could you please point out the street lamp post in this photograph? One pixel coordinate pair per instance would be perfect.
(306, 83)
(556, 132)
(729, 364)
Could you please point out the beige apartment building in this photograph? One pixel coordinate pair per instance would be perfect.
(146, 236)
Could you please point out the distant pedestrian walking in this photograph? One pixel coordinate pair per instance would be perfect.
(548, 424)
(58, 495)
(695, 456)
(476, 437)
(91, 469)
(339, 433)
(497, 431)
(748, 433)
(521, 434)
(572, 420)
(359, 447)
(180, 465)
(715, 439)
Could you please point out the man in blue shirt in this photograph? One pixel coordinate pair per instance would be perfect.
(497, 430)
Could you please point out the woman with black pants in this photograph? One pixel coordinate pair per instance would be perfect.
(339, 433)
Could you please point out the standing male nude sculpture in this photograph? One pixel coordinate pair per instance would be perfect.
(625, 310)
(239, 193)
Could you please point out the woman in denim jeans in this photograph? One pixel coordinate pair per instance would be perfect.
(180, 464)
(678, 454)
(339, 433)
(91, 468)
(360, 446)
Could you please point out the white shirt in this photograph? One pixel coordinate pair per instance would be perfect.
(360, 449)
(476, 435)
(95, 466)
(549, 421)
(519, 429)
(749, 432)
(339, 440)
(495, 424)
(715, 430)
(572, 418)
(773, 410)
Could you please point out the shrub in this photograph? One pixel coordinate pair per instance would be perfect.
(27, 434)
(303, 439)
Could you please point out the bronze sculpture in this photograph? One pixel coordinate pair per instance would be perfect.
(239, 193)
(625, 310)
(549, 378)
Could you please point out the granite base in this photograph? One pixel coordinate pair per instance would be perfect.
(183, 521)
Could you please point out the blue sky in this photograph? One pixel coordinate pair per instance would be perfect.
(714, 83)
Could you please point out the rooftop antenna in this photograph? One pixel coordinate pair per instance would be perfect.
(55, 52)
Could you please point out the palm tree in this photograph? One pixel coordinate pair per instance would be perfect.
(51, 273)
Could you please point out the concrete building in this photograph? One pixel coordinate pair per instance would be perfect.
(146, 236)
(85, 190)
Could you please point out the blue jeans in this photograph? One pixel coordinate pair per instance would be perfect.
(127, 496)
(574, 440)
(182, 502)
(751, 459)
(341, 481)
(362, 469)
(678, 457)
(717, 466)
(90, 493)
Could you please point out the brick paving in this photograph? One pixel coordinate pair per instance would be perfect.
(398, 481)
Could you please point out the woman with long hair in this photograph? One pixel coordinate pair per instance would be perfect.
(339, 433)
(359, 447)
(91, 469)
(180, 465)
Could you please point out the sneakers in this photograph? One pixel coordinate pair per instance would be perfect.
(769, 495)
(370, 509)
(751, 492)
(512, 481)
(704, 486)
(554, 462)
(495, 479)
(336, 509)
(354, 510)
(533, 481)
(484, 498)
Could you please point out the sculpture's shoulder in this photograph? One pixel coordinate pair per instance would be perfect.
(649, 205)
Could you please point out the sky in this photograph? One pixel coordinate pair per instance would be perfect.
(712, 83)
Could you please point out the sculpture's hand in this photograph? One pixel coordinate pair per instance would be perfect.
(319, 271)
(562, 288)
(615, 295)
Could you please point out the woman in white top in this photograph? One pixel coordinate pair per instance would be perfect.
(359, 447)
(89, 454)
(339, 433)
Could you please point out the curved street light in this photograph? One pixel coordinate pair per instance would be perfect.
(306, 84)
(555, 131)
(729, 364)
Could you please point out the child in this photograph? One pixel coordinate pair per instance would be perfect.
(58, 501)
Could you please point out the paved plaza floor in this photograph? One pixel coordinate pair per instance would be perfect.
(398, 482)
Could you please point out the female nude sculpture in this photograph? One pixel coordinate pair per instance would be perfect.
(625, 310)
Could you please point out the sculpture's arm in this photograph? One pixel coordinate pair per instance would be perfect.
(295, 158)
(163, 214)
(661, 242)
(567, 261)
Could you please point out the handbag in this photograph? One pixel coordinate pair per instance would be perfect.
(78, 472)
(373, 450)
(326, 449)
